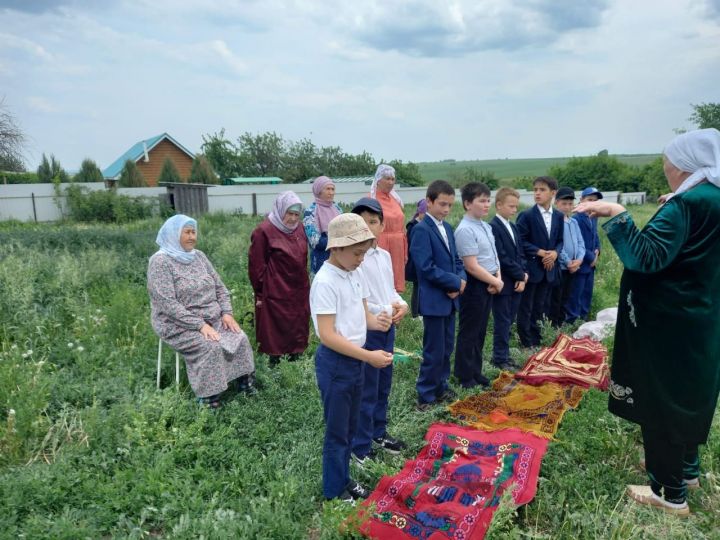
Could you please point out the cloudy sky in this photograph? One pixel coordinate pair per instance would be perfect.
(416, 80)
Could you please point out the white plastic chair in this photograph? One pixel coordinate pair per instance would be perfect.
(159, 365)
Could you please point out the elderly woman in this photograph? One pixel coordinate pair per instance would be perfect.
(191, 312)
(277, 266)
(392, 238)
(316, 219)
(665, 371)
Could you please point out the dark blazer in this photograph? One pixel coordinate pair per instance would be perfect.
(410, 274)
(438, 270)
(534, 236)
(588, 230)
(510, 253)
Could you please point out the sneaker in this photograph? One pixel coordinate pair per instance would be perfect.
(645, 495)
(357, 491)
(390, 444)
(448, 396)
(424, 407)
(690, 483)
(508, 365)
(364, 460)
(345, 497)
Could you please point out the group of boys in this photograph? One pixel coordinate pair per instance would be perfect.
(543, 266)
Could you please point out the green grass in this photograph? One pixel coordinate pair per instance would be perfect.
(94, 451)
(510, 168)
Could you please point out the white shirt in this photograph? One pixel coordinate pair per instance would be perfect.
(441, 227)
(508, 227)
(377, 272)
(547, 217)
(337, 292)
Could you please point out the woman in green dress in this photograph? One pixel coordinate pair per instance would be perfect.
(666, 362)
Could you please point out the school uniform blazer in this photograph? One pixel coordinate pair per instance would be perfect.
(438, 269)
(534, 237)
(588, 230)
(510, 253)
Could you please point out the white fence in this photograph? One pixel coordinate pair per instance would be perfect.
(36, 202)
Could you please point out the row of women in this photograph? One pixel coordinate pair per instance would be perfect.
(665, 371)
(191, 309)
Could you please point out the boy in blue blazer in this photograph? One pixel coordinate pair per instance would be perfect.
(514, 274)
(541, 232)
(441, 279)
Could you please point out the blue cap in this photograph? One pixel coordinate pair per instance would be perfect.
(591, 191)
(366, 203)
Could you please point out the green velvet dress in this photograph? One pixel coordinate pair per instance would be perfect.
(666, 363)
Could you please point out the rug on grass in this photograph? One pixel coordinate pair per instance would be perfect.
(453, 487)
(514, 404)
(568, 361)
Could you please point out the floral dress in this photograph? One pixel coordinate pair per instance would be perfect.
(183, 297)
(317, 240)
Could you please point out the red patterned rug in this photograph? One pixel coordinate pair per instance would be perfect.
(453, 487)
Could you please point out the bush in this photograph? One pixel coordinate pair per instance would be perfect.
(201, 171)
(89, 172)
(50, 170)
(472, 174)
(107, 206)
(131, 176)
(19, 177)
(169, 172)
(523, 182)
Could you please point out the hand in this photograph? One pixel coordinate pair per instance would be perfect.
(258, 303)
(498, 284)
(550, 256)
(379, 359)
(594, 262)
(209, 333)
(549, 266)
(229, 323)
(599, 208)
(383, 321)
(462, 285)
(453, 295)
(399, 311)
(492, 289)
(519, 286)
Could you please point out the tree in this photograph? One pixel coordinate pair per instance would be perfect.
(222, 154)
(89, 172)
(169, 172)
(261, 155)
(50, 170)
(131, 176)
(706, 115)
(12, 140)
(603, 172)
(407, 173)
(473, 174)
(201, 171)
(301, 161)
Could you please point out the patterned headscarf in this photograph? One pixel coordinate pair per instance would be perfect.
(696, 152)
(324, 210)
(168, 238)
(282, 204)
(384, 171)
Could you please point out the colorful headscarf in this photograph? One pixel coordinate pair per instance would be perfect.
(282, 204)
(696, 152)
(384, 171)
(324, 210)
(421, 208)
(168, 238)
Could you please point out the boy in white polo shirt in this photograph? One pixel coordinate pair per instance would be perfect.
(341, 318)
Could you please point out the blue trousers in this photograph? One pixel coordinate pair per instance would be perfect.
(340, 380)
(475, 307)
(438, 341)
(372, 420)
(581, 295)
(532, 309)
(504, 310)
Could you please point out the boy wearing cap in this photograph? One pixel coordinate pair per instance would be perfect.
(541, 233)
(441, 279)
(338, 306)
(376, 269)
(571, 257)
(581, 295)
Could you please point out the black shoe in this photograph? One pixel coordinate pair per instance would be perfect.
(448, 396)
(390, 444)
(294, 357)
(345, 497)
(274, 360)
(364, 460)
(357, 491)
(507, 366)
(424, 407)
(483, 381)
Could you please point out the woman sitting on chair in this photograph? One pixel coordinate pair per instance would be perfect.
(191, 312)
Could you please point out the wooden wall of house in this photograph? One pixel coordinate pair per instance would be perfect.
(151, 169)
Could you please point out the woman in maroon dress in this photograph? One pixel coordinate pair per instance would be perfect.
(277, 266)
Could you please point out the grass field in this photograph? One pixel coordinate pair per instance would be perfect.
(93, 450)
(511, 168)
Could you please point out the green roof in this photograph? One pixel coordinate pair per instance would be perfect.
(243, 180)
(367, 180)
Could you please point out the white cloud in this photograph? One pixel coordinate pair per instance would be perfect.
(41, 104)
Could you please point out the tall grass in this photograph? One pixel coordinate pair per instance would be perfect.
(92, 450)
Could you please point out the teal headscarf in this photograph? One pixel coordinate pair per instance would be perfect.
(168, 238)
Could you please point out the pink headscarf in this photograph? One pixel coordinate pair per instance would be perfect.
(282, 204)
(324, 210)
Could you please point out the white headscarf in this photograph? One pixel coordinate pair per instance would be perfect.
(385, 171)
(168, 238)
(696, 152)
(282, 204)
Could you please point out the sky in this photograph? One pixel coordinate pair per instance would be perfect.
(420, 80)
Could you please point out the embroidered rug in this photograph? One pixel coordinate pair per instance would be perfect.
(514, 404)
(568, 361)
(453, 487)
